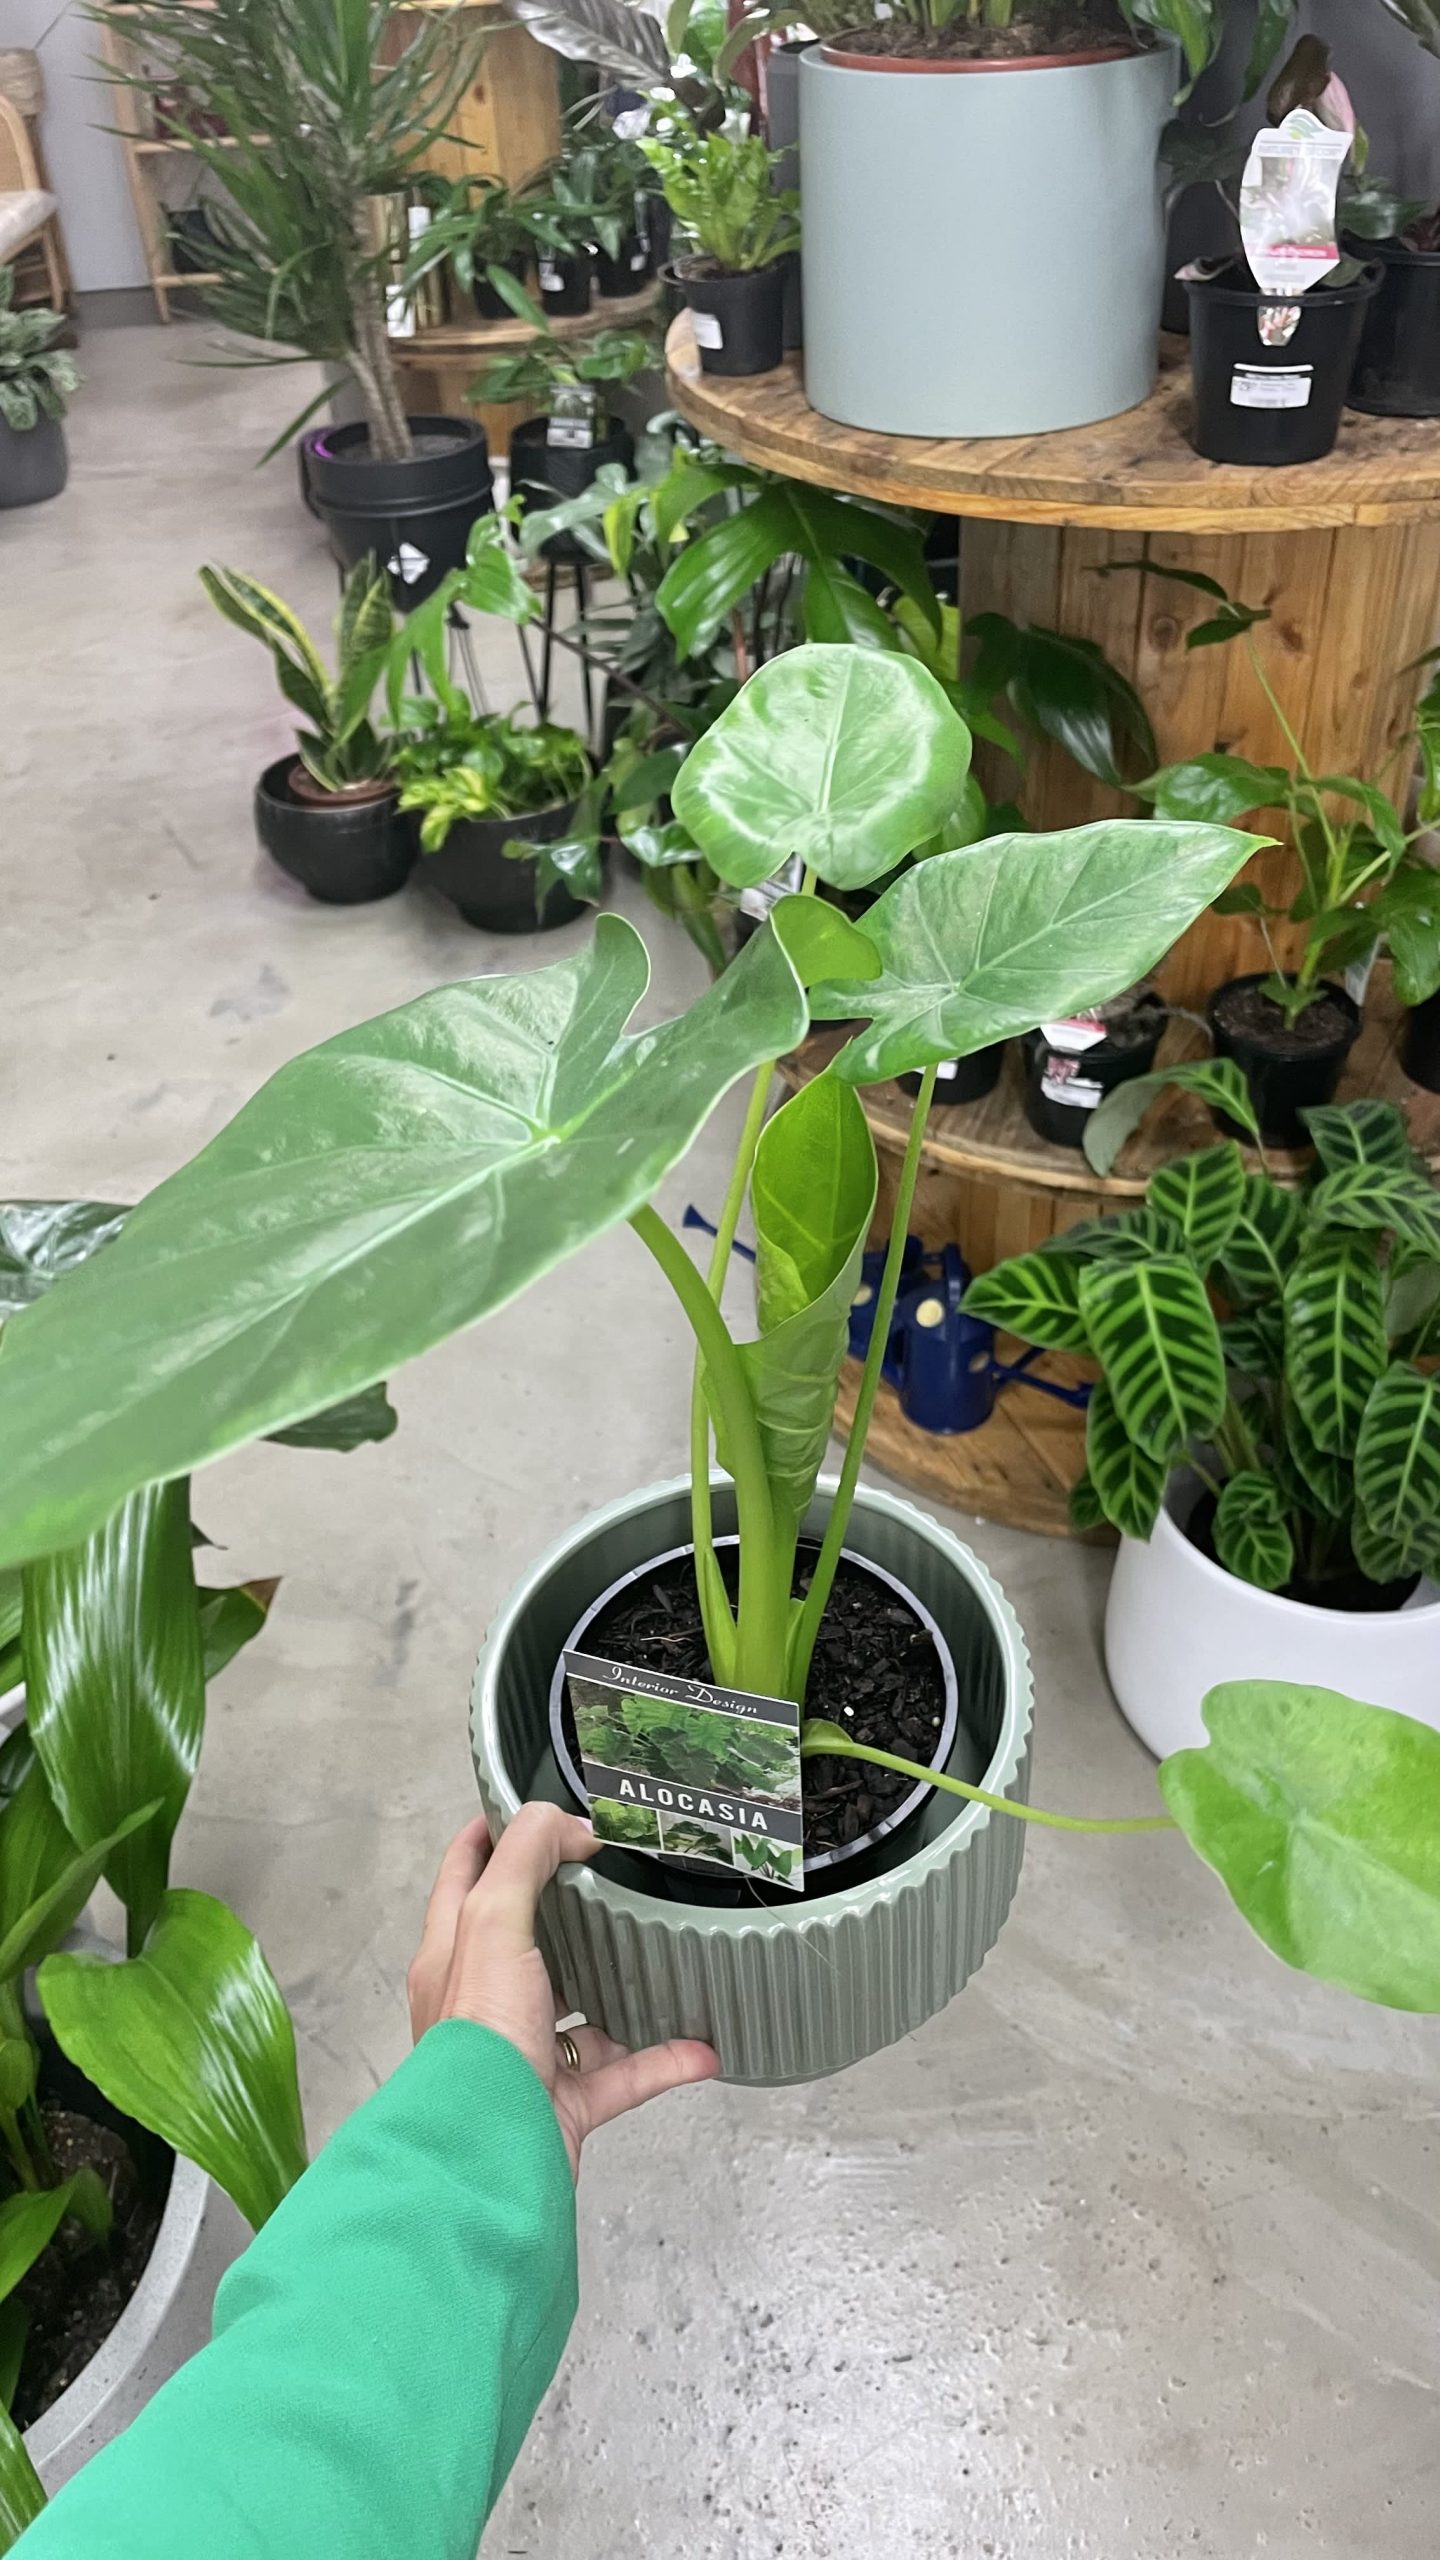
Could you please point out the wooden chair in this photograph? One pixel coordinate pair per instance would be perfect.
(27, 209)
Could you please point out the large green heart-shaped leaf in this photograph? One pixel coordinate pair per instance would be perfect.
(1152, 1327)
(1380, 1195)
(1317, 1814)
(1252, 1535)
(379, 1193)
(1128, 1483)
(847, 757)
(1204, 1194)
(45, 1881)
(193, 2039)
(1335, 1346)
(40, 1240)
(997, 937)
(115, 1684)
(21, 2496)
(1397, 1456)
(1217, 1081)
(1262, 1245)
(1364, 1132)
(1035, 1295)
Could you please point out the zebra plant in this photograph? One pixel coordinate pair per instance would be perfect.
(1309, 1411)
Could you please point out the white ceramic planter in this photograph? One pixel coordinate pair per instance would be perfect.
(1176, 1625)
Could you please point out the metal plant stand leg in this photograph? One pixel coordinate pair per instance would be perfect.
(465, 650)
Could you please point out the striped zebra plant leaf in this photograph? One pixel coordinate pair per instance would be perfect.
(1412, 1296)
(1254, 1342)
(1261, 1247)
(1129, 1484)
(1035, 1295)
(1368, 1196)
(1335, 1346)
(1204, 1194)
(1397, 1457)
(1330, 1480)
(1132, 1237)
(1366, 1132)
(1252, 1536)
(1154, 1330)
(1087, 1511)
(1217, 1081)
(1381, 1558)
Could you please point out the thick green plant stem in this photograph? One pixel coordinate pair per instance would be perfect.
(720, 1631)
(764, 1585)
(979, 1795)
(807, 1625)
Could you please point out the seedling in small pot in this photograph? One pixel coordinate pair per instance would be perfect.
(722, 191)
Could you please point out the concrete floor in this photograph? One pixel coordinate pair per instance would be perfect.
(1132, 2253)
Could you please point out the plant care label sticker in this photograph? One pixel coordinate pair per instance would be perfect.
(1283, 386)
(708, 332)
(1077, 1033)
(572, 420)
(682, 1769)
(1287, 201)
(1061, 1082)
(407, 564)
(757, 901)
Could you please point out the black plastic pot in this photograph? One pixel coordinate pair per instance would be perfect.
(414, 516)
(492, 305)
(489, 889)
(34, 462)
(565, 284)
(543, 473)
(629, 271)
(1420, 1049)
(1263, 405)
(961, 1079)
(1078, 1083)
(1397, 372)
(344, 852)
(1285, 1074)
(738, 320)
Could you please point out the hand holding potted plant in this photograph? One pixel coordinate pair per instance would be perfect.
(37, 378)
(723, 193)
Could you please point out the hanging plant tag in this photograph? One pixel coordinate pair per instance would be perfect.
(572, 420)
(683, 1769)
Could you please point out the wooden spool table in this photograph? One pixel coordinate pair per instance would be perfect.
(1346, 555)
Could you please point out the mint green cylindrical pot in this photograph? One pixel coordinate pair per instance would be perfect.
(797, 1990)
(983, 250)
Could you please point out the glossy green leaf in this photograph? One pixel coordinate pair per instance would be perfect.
(1335, 1346)
(1067, 689)
(1263, 1243)
(1034, 1295)
(1397, 1456)
(17, 1759)
(192, 2038)
(835, 607)
(1217, 1081)
(1085, 1507)
(1194, 23)
(716, 571)
(1328, 1479)
(231, 1619)
(822, 942)
(1204, 1194)
(28, 2224)
(21, 2496)
(115, 1684)
(1364, 1132)
(14, 2330)
(1317, 1814)
(849, 758)
(1407, 910)
(45, 1881)
(1384, 819)
(1254, 1342)
(1134, 1236)
(1000, 936)
(345, 1426)
(1216, 789)
(1370, 1196)
(381, 1192)
(1153, 1329)
(1273, 19)
(40, 1240)
(1252, 1535)
(1129, 1483)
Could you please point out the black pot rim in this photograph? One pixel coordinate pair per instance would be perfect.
(1394, 252)
(357, 457)
(908, 1804)
(511, 826)
(274, 785)
(1252, 298)
(678, 272)
(1288, 1051)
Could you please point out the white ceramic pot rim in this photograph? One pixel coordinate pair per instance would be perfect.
(1168, 1534)
(775, 1922)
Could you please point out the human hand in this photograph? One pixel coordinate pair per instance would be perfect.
(478, 1959)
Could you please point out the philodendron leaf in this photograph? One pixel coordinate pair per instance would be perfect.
(1380, 1195)
(21, 2496)
(115, 1684)
(40, 1240)
(1152, 1327)
(1317, 1814)
(997, 937)
(1335, 1346)
(847, 757)
(378, 1194)
(1252, 1536)
(193, 2039)
(45, 1881)
(1129, 1484)
(344, 1426)
(1364, 1132)
(1204, 1194)
(1218, 1081)
(1217, 788)
(1035, 1295)
(1397, 1456)
(812, 1195)
(1263, 1243)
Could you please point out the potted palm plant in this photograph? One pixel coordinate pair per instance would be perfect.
(308, 118)
(516, 1116)
(36, 380)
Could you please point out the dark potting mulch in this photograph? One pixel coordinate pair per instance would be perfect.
(76, 2290)
(875, 1671)
(1247, 1013)
(1044, 26)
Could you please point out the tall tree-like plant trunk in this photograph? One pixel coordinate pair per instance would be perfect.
(390, 438)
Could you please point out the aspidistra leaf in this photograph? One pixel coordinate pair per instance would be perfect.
(21, 2496)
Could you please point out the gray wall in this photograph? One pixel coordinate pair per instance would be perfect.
(87, 166)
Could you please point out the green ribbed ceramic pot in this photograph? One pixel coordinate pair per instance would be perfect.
(794, 1990)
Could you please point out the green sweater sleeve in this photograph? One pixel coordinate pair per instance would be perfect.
(378, 2352)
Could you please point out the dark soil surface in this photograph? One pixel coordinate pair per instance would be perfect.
(1351, 1593)
(1047, 26)
(1249, 1014)
(76, 2290)
(876, 1672)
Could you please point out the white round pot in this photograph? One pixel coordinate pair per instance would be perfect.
(1177, 1624)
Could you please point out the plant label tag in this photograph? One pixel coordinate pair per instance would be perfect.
(551, 280)
(1059, 1082)
(407, 564)
(572, 421)
(757, 901)
(1075, 1034)
(708, 332)
(1288, 196)
(637, 260)
(1286, 386)
(684, 1769)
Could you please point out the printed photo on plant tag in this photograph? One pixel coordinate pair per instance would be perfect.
(684, 1769)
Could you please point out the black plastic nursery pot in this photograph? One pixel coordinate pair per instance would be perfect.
(565, 284)
(1420, 1049)
(628, 272)
(1063, 1087)
(491, 889)
(1265, 405)
(1287, 1070)
(961, 1079)
(491, 305)
(34, 462)
(543, 472)
(414, 517)
(1397, 372)
(345, 851)
(739, 320)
